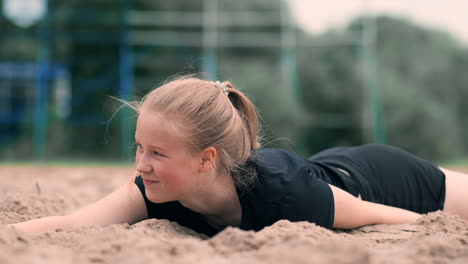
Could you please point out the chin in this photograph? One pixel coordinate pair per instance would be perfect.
(155, 198)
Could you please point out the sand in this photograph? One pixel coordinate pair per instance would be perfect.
(29, 192)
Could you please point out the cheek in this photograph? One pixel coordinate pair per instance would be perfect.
(175, 176)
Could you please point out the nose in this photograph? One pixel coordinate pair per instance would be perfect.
(142, 165)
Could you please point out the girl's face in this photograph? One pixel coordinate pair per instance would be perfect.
(168, 168)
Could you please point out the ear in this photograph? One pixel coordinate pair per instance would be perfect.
(208, 159)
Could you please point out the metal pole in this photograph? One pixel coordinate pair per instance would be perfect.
(289, 66)
(42, 91)
(210, 39)
(370, 75)
(288, 52)
(126, 79)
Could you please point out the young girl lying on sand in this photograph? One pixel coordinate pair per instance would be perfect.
(199, 163)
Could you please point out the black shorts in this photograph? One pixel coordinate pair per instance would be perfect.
(390, 176)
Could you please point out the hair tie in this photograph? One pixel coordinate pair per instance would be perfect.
(222, 86)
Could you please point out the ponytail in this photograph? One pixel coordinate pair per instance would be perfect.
(246, 110)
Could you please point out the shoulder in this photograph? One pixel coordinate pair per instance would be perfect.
(278, 161)
(276, 169)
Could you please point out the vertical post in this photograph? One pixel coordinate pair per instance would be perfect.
(43, 80)
(126, 79)
(210, 39)
(371, 82)
(288, 53)
(289, 65)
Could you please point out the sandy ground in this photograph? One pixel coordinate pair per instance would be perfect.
(32, 191)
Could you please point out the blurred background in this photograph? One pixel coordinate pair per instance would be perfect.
(322, 73)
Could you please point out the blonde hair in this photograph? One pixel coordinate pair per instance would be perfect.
(209, 116)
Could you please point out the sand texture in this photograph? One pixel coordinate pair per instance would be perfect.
(29, 192)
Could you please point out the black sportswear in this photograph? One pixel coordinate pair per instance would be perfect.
(293, 188)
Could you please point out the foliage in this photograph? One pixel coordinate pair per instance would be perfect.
(421, 76)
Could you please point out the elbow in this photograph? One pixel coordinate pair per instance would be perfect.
(351, 224)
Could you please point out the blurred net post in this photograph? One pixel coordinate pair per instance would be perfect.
(44, 77)
(126, 75)
(373, 113)
(210, 39)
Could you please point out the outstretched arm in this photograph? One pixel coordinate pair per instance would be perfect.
(124, 205)
(351, 212)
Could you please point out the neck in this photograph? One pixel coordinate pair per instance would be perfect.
(218, 201)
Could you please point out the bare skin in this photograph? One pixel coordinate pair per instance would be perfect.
(456, 198)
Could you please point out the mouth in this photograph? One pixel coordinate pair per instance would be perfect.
(148, 182)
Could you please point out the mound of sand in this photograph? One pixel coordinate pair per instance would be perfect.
(436, 238)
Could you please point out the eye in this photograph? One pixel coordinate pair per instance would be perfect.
(138, 146)
(157, 154)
